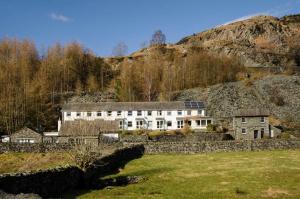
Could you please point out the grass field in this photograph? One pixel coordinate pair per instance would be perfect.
(20, 162)
(271, 174)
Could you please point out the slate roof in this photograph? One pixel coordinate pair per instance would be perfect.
(87, 128)
(26, 132)
(128, 106)
(251, 112)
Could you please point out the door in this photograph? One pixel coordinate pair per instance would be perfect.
(255, 134)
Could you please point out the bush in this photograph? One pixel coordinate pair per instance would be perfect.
(186, 130)
(212, 127)
(285, 135)
(83, 155)
(156, 133)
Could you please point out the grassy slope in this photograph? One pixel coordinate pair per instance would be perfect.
(20, 162)
(273, 174)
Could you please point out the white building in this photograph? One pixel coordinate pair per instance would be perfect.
(141, 115)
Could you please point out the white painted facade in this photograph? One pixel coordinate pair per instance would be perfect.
(145, 119)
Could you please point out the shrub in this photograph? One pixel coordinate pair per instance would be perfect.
(212, 127)
(156, 133)
(83, 155)
(186, 130)
(285, 135)
(248, 83)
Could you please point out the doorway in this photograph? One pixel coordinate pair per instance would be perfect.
(255, 134)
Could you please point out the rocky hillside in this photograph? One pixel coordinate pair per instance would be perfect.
(262, 41)
(280, 94)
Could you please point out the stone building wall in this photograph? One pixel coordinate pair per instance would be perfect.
(26, 133)
(251, 124)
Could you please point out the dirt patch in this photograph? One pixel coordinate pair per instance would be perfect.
(275, 193)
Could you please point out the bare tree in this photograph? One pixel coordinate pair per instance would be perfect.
(120, 49)
(158, 38)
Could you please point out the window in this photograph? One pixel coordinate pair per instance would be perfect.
(129, 124)
(203, 122)
(149, 124)
(78, 114)
(139, 113)
(160, 124)
(169, 113)
(189, 112)
(121, 124)
(159, 113)
(262, 132)
(99, 114)
(198, 122)
(262, 119)
(129, 113)
(199, 112)
(89, 114)
(208, 122)
(68, 114)
(119, 113)
(243, 120)
(109, 113)
(169, 123)
(180, 124)
(244, 131)
(139, 124)
(179, 112)
(149, 113)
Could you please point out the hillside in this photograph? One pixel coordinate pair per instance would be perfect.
(262, 41)
(280, 94)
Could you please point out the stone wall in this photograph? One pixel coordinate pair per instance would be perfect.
(218, 146)
(54, 182)
(194, 137)
(34, 147)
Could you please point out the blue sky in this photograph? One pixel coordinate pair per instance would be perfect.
(100, 24)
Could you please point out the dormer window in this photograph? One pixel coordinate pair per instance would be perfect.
(189, 112)
(262, 120)
(129, 113)
(139, 113)
(243, 120)
(179, 112)
(159, 113)
(119, 113)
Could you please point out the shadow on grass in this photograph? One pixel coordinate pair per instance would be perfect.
(117, 180)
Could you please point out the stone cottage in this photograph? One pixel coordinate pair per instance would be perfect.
(249, 124)
(26, 135)
(86, 132)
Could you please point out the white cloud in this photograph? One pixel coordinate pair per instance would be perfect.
(59, 17)
(278, 11)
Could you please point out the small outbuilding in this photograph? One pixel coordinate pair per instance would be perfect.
(26, 135)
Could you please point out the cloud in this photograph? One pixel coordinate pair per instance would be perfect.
(278, 11)
(59, 17)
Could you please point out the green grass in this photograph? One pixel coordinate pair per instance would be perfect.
(271, 174)
(21, 162)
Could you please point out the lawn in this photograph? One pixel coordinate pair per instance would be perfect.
(269, 174)
(20, 162)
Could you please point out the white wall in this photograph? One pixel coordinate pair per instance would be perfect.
(154, 117)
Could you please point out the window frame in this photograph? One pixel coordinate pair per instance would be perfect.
(78, 114)
(169, 122)
(139, 113)
(179, 112)
(68, 114)
(189, 112)
(89, 114)
(129, 113)
(129, 124)
(119, 113)
(262, 120)
(149, 113)
(243, 130)
(159, 113)
(139, 124)
(109, 113)
(169, 113)
(243, 119)
(99, 114)
(180, 124)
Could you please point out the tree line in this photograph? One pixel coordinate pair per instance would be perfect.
(32, 85)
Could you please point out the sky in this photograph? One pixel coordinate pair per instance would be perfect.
(100, 25)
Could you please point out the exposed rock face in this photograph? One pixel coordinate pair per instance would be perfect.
(262, 41)
(223, 99)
